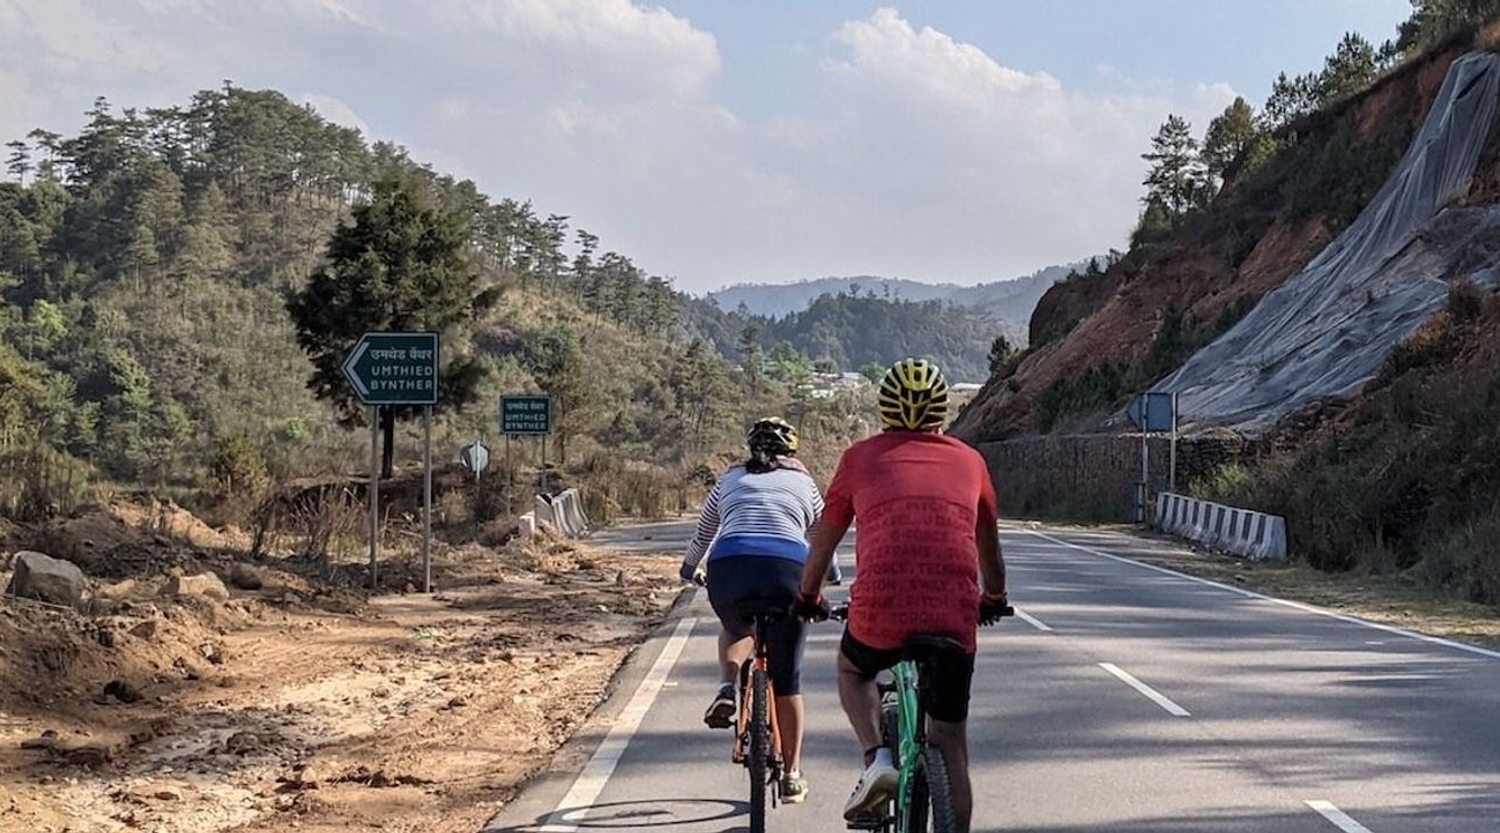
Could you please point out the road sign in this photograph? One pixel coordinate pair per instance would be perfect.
(394, 368)
(525, 415)
(1151, 412)
(475, 457)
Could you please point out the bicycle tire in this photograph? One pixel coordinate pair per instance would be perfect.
(930, 797)
(760, 749)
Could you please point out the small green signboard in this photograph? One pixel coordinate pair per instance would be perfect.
(525, 415)
(394, 368)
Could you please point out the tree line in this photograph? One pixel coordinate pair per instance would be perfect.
(1186, 172)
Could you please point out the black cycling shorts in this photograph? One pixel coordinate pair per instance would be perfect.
(950, 691)
(737, 577)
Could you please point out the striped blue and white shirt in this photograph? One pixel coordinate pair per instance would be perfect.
(765, 514)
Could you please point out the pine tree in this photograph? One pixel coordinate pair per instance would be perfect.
(1176, 178)
(1227, 139)
(19, 161)
(1349, 70)
(399, 266)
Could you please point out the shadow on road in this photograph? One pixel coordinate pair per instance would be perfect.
(647, 814)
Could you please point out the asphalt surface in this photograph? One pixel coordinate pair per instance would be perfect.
(1152, 703)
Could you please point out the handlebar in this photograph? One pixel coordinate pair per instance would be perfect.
(840, 612)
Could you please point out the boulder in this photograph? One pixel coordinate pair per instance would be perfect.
(206, 585)
(246, 577)
(47, 579)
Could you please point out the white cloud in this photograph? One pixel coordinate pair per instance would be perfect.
(903, 151)
(336, 111)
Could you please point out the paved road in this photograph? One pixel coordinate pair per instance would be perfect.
(1151, 703)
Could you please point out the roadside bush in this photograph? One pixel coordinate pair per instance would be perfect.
(1466, 560)
(40, 482)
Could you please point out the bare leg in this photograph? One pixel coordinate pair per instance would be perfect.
(732, 654)
(861, 699)
(951, 739)
(789, 719)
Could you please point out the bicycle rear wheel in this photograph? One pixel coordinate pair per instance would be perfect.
(760, 749)
(928, 805)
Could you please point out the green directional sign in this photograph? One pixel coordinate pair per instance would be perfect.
(394, 368)
(525, 415)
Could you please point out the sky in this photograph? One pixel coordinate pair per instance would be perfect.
(725, 141)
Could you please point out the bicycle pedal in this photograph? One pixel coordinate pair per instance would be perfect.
(871, 822)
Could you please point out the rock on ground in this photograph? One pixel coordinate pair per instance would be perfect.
(205, 584)
(245, 577)
(47, 579)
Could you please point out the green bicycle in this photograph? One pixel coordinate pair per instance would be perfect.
(924, 796)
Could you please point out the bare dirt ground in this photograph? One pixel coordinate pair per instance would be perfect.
(306, 705)
(1390, 600)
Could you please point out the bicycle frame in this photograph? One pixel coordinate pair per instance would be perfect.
(758, 662)
(911, 727)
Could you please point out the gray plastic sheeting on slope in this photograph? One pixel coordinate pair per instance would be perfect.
(1325, 332)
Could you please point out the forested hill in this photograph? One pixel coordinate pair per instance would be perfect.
(847, 332)
(145, 337)
(1009, 302)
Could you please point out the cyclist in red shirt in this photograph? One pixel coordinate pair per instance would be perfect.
(927, 530)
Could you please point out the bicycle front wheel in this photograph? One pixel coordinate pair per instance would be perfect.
(928, 805)
(760, 749)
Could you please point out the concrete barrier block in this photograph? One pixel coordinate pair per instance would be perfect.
(1244, 532)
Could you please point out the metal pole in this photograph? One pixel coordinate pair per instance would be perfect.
(541, 474)
(374, 490)
(1172, 477)
(1145, 477)
(427, 499)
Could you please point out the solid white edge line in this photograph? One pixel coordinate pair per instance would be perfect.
(1305, 608)
(590, 783)
(1031, 620)
(1338, 817)
(1150, 693)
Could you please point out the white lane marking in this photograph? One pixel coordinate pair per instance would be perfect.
(1031, 620)
(1305, 608)
(1151, 694)
(1338, 817)
(573, 808)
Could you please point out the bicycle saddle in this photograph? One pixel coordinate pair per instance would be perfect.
(918, 648)
(763, 607)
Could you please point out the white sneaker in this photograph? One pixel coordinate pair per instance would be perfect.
(876, 787)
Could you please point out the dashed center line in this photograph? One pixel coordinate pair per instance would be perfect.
(1150, 693)
(1338, 817)
(1032, 620)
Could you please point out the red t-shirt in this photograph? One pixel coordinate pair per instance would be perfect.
(918, 497)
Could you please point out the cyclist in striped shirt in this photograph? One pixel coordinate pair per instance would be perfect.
(753, 530)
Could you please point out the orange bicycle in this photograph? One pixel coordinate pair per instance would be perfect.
(757, 737)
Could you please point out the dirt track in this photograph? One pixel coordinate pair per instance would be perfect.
(312, 709)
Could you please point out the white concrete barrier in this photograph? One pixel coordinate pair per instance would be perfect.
(527, 524)
(562, 513)
(1254, 535)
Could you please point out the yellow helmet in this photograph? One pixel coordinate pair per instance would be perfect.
(773, 434)
(913, 396)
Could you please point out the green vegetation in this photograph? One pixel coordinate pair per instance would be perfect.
(1406, 480)
(849, 330)
(179, 285)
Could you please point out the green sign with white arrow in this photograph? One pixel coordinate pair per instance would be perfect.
(394, 368)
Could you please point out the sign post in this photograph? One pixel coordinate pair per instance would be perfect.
(1153, 412)
(374, 490)
(427, 499)
(397, 369)
(528, 416)
(475, 457)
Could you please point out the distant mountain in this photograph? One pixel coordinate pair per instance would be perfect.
(1009, 302)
